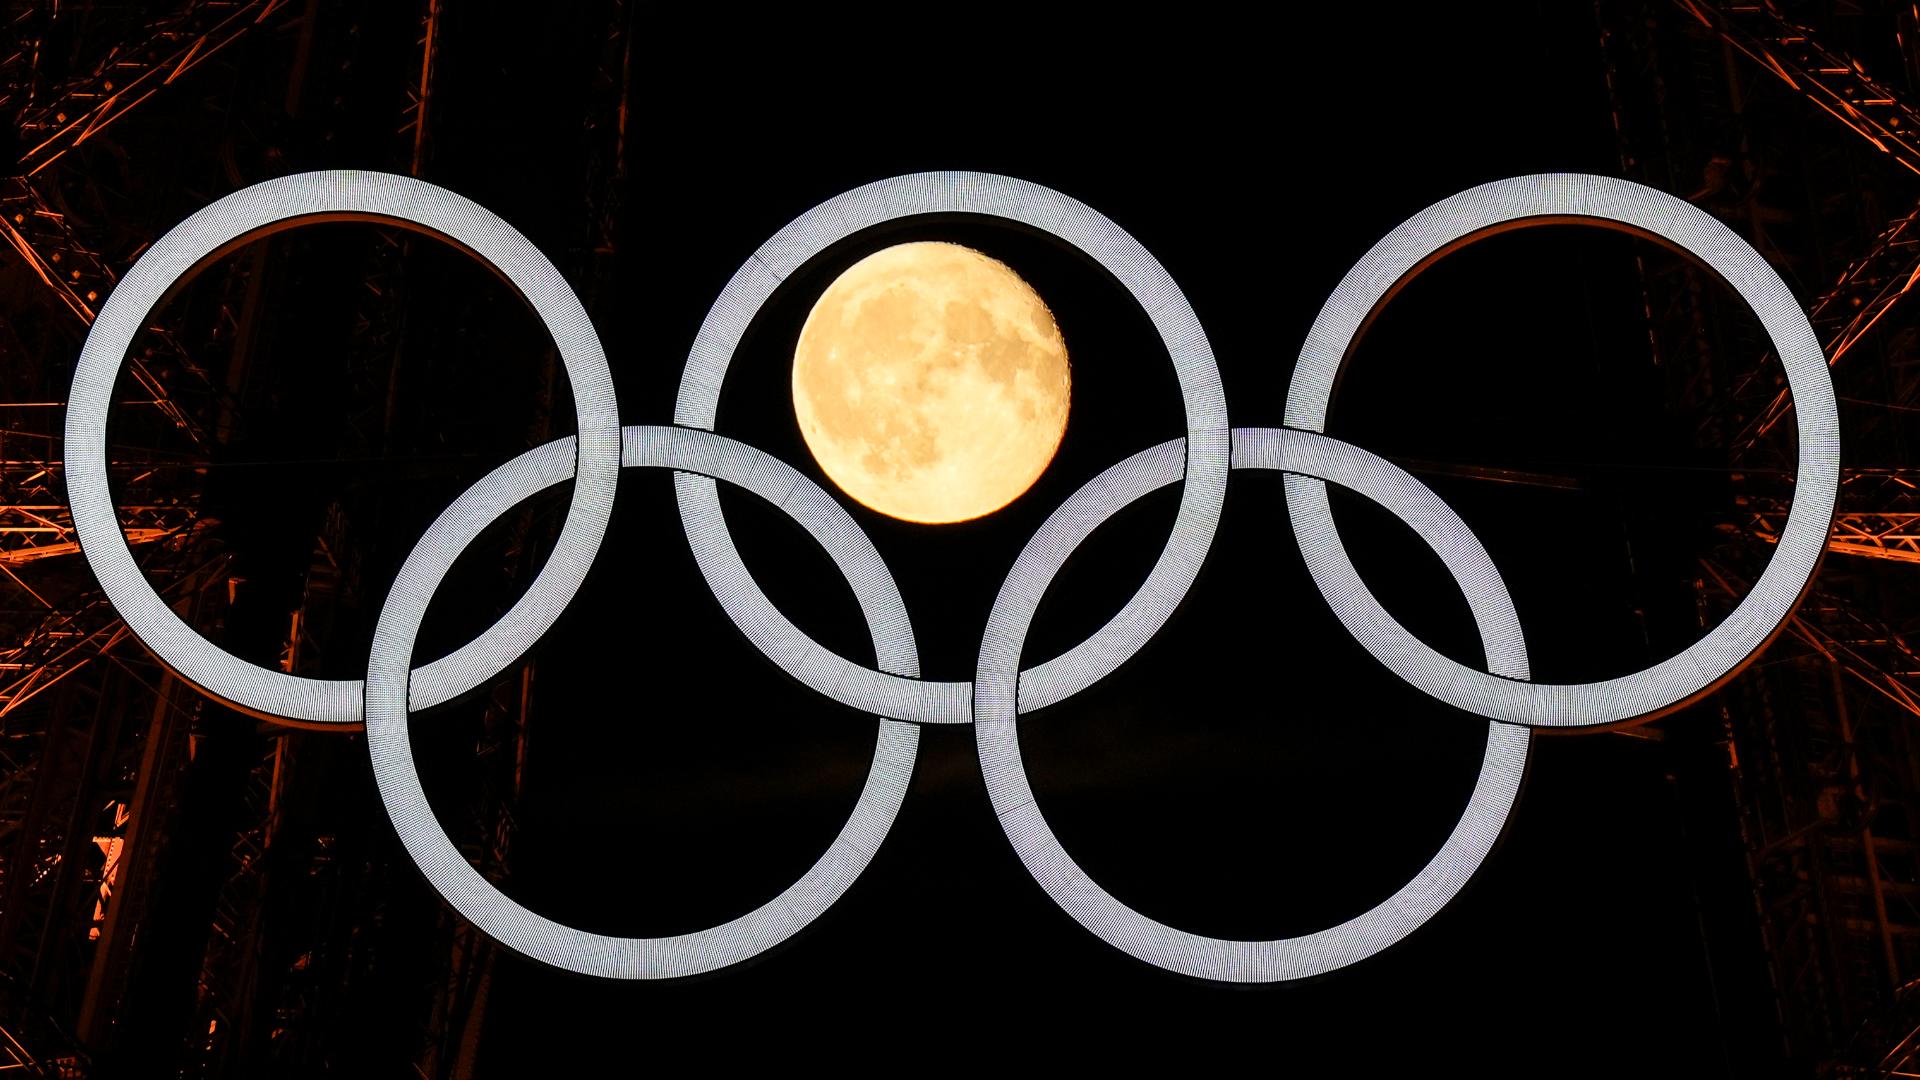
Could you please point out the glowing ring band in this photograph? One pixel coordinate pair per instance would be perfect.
(997, 733)
(1000, 692)
(1520, 201)
(1058, 215)
(542, 938)
(321, 196)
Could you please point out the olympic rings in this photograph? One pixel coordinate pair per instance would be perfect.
(1000, 691)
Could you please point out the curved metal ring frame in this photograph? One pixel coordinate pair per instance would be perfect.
(1000, 691)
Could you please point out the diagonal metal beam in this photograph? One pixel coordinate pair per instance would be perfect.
(1834, 82)
(1866, 650)
(1866, 291)
(89, 103)
(1839, 86)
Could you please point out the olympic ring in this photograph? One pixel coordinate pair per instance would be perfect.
(1000, 692)
(1502, 768)
(256, 211)
(476, 898)
(1143, 277)
(1709, 662)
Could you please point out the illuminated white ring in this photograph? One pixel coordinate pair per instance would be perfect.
(997, 731)
(1037, 207)
(317, 196)
(1524, 200)
(564, 946)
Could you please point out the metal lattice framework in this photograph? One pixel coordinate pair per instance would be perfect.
(1819, 739)
(73, 685)
(92, 100)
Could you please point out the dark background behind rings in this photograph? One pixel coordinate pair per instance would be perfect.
(1252, 773)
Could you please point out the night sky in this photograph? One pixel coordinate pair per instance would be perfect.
(1253, 773)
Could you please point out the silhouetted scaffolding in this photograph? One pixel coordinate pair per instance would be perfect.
(1800, 132)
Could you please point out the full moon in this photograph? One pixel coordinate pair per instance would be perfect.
(931, 383)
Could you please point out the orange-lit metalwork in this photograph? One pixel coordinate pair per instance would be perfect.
(1819, 743)
(175, 44)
